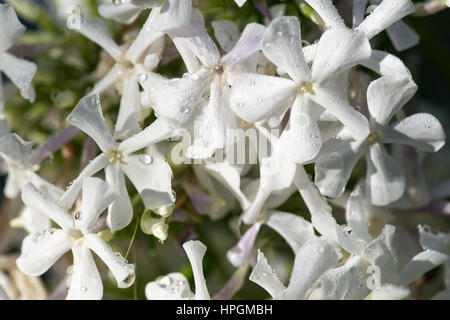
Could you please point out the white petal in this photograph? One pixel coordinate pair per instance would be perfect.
(88, 117)
(172, 15)
(152, 180)
(120, 212)
(123, 13)
(386, 95)
(97, 31)
(248, 44)
(173, 286)
(195, 37)
(195, 251)
(127, 122)
(96, 196)
(34, 221)
(421, 264)
(10, 26)
(158, 131)
(327, 11)
(421, 130)
(339, 50)
(282, 44)
(226, 33)
(257, 97)
(69, 197)
(384, 63)
(14, 149)
(146, 38)
(348, 282)
(41, 250)
(110, 79)
(354, 121)
(294, 229)
(276, 174)
(251, 214)
(390, 292)
(190, 60)
(402, 36)
(44, 204)
(20, 72)
(301, 141)
(334, 169)
(176, 99)
(356, 217)
(229, 177)
(241, 253)
(122, 271)
(264, 276)
(385, 181)
(312, 260)
(384, 15)
(240, 3)
(86, 283)
(434, 241)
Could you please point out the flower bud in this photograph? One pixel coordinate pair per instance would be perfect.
(157, 227)
(164, 211)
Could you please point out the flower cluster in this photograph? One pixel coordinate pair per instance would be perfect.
(289, 103)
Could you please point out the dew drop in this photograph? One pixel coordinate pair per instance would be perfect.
(145, 159)
(77, 215)
(83, 289)
(142, 77)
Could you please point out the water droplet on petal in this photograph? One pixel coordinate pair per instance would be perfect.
(145, 159)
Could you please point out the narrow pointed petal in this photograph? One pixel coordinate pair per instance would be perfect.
(109, 80)
(10, 25)
(241, 253)
(252, 213)
(120, 211)
(130, 110)
(152, 180)
(264, 276)
(421, 264)
(226, 33)
(294, 229)
(384, 15)
(312, 260)
(354, 121)
(119, 267)
(144, 40)
(385, 181)
(195, 251)
(334, 169)
(86, 283)
(87, 116)
(97, 31)
(123, 13)
(97, 195)
(282, 44)
(339, 50)
(69, 197)
(355, 215)
(421, 130)
(257, 97)
(248, 44)
(44, 204)
(41, 250)
(20, 72)
(327, 11)
(386, 95)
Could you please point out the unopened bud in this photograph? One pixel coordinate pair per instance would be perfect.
(157, 227)
(164, 211)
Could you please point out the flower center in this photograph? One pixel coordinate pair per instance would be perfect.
(218, 69)
(305, 87)
(116, 156)
(373, 137)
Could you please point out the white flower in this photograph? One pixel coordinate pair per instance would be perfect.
(257, 97)
(240, 3)
(19, 71)
(150, 174)
(384, 181)
(177, 99)
(41, 250)
(129, 61)
(175, 286)
(312, 259)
